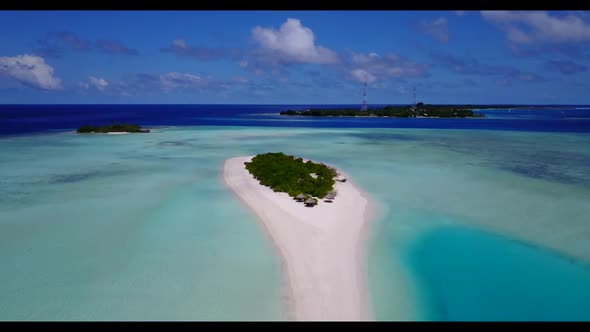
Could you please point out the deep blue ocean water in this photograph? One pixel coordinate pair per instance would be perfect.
(19, 119)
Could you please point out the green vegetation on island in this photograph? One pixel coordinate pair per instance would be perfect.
(113, 128)
(421, 110)
(283, 173)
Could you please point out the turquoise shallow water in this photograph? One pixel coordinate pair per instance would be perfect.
(140, 227)
(128, 228)
(471, 275)
(527, 186)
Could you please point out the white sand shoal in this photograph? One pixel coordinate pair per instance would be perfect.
(321, 248)
(117, 132)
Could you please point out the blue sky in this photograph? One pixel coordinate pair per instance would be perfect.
(302, 57)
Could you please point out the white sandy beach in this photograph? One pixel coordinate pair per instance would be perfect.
(321, 248)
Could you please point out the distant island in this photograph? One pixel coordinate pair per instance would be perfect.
(421, 110)
(112, 128)
(301, 180)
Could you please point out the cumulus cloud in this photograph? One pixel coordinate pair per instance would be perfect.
(372, 67)
(115, 47)
(362, 75)
(180, 44)
(527, 27)
(181, 48)
(293, 43)
(437, 29)
(459, 12)
(170, 82)
(98, 83)
(565, 67)
(173, 81)
(30, 70)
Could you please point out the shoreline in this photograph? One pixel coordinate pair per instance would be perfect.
(372, 213)
(285, 285)
(321, 249)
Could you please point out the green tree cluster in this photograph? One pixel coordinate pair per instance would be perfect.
(114, 127)
(291, 175)
(421, 109)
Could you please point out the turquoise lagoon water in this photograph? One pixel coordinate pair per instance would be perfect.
(471, 275)
(128, 227)
(140, 227)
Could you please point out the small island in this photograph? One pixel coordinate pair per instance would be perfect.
(301, 180)
(421, 110)
(322, 249)
(112, 128)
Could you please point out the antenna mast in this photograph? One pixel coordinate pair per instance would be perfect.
(364, 107)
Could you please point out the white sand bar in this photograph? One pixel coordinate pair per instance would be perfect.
(321, 248)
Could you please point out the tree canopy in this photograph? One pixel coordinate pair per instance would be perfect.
(421, 110)
(291, 175)
(114, 127)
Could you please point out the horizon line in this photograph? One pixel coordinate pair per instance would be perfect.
(283, 104)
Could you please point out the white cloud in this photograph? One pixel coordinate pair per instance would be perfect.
(372, 67)
(173, 80)
(459, 12)
(525, 27)
(437, 29)
(98, 83)
(180, 43)
(293, 43)
(30, 70)
(363, 76)
(170, 82)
